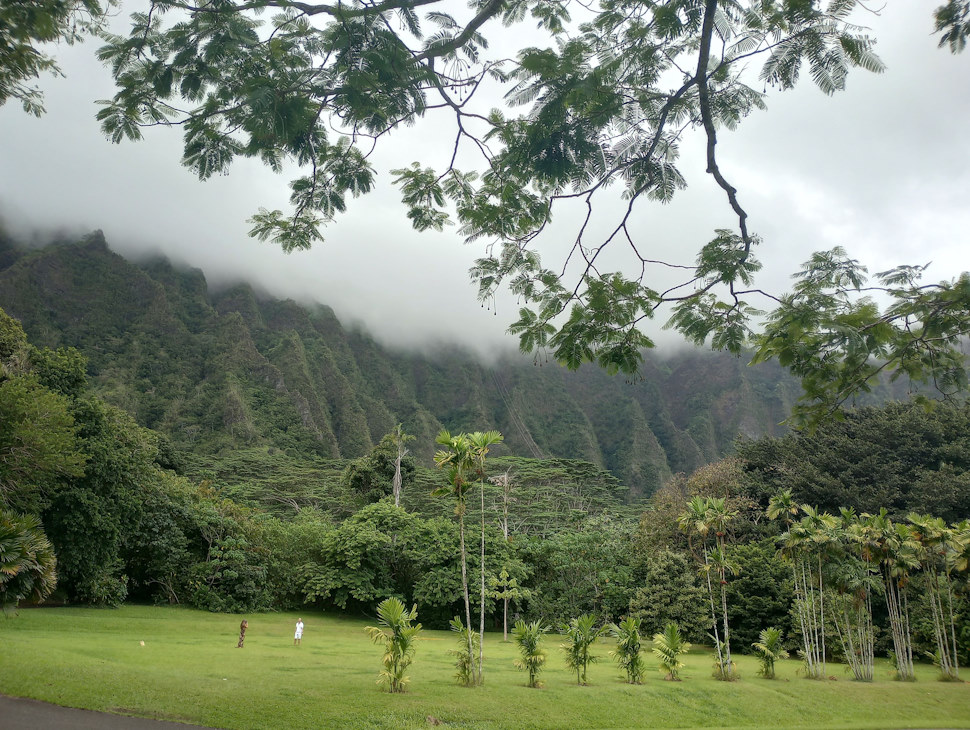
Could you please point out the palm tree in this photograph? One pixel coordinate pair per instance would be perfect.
(399, 637)
(465, 656)
(694, 520)
(529, 638)
(711, 516)
(28, 567)
(627, 652)
(480, 442)
(668, 645)
(458, 458)
(938, 552)
(769, 649)
(582, 634)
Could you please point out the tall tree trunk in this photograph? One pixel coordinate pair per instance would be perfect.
(481, 625)
(464, 585)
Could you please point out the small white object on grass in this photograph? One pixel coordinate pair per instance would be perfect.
(142, 643)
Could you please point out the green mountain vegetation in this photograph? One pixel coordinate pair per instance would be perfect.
(270, 480)
(219, 372)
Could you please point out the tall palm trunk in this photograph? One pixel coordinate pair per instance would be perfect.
(464, 585)
(481, 625)
(710, 595)
(727, 669)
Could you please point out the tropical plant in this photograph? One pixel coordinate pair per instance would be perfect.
(581, 633)
(528, 636)
(939, 547)
(668, 645)
(769, 649)
(399, 637)
(28, 567)
(506, 588)
(710, 516)
(458, 458)
(627, 653)
(481, 441)
(806, 544)
(465, 653)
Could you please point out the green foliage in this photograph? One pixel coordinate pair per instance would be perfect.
(38, 444)
(670, 591)
(627, 653)
(28, 567)
(528, 637)
(25, 27)
(398, 636)
(581, 633)
(668, 645)
(586, 569)
(603, 103)
(900, 456)
(760, 594)
(468, 646)
(372, 476)
(769, 650)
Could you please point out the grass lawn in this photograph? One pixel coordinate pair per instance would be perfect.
(190, 670)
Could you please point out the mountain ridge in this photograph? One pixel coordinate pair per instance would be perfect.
(217, 369)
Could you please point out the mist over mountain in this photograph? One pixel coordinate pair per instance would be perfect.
(221, 369)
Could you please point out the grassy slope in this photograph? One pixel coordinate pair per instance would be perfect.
(190, 670)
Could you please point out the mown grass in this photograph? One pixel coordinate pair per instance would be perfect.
(189, 670)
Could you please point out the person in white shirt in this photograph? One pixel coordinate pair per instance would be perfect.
(298, 636)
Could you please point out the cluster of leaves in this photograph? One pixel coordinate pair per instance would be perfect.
(27, 24)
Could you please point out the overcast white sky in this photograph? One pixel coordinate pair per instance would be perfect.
(882, 169)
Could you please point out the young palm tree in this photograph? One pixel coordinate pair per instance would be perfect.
(465, 654)
(399, 637)
(668, 645)
(769, 650)
(529, 638)
(627, 652)
(581, 634)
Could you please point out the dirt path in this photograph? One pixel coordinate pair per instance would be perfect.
(17, 713)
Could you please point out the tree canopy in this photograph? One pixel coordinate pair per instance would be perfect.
(598, 107)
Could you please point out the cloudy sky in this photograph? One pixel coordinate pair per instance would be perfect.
(882, 169)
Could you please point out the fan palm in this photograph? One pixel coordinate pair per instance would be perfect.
(28, 567)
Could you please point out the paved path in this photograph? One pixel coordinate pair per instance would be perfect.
(17, 713)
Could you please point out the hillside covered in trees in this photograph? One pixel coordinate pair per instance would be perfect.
(219, 371)
(266, 481)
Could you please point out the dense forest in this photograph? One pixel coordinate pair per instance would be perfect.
(167, 443)
(219, 371)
